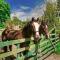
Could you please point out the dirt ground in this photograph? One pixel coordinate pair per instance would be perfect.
(53, 57)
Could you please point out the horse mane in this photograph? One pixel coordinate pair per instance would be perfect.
(27, 32)
(43, 23)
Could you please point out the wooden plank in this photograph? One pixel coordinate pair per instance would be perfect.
(51, 30)
(12, 42)
(54, 38)
(45, 47)
(49, 44)
(39, 58)
(48, 49)
(15, 51)
(42, 43)
(45, 51)
(11, 52)
(46, 55)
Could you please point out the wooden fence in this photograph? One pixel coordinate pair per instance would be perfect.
(38, 51)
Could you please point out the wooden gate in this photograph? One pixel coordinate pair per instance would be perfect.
(38, 51)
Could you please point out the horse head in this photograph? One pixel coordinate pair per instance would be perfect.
(44, 28)
(35, 27)
(32, 28)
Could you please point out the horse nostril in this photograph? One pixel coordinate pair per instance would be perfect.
(37, 35)
(36, 38)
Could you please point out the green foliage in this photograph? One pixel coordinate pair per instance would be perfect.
(15, 22)
(50, 13)
(2, 25)
(58, 5)
(57, 49)
(4, 11)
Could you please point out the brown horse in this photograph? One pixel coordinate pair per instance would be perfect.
(32, 28)
(43, 29)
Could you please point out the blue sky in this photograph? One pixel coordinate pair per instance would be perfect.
(26, 8)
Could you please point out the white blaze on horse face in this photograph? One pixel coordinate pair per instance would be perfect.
(37, 35)
(36, 27)
(46, 26)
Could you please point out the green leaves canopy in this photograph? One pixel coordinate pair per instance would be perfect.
(4, 11)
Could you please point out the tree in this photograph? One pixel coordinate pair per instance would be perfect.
(50, 12)
(16, 21)
(4, 11)
(58, 5)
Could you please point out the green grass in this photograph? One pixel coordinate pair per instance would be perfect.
(57, 49)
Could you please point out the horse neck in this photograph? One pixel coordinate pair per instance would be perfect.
(41, 29)
(26, 32)
(4, 32)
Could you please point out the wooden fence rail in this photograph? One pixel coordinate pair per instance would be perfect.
(37, 51)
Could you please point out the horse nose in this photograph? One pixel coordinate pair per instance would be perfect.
(47, 36)
(37, 35)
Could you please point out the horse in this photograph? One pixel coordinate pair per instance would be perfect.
(32, 28)
(43, 29)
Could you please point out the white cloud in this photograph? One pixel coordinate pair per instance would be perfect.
(36, 12)
(25, 7)
(18, 14)
(52, 1)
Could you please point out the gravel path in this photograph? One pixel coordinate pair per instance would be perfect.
(53, 57)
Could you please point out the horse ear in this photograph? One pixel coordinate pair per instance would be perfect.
(38, 19)
(33, 19)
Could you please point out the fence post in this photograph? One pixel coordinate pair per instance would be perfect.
(36, 50)
(18, 55)
(53, 36)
